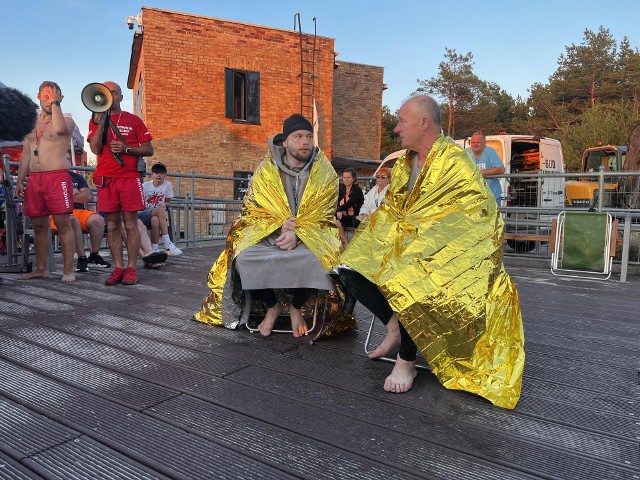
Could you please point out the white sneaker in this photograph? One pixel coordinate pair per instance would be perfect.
(173, 250)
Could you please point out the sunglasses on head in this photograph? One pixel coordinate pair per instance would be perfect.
(381, 176)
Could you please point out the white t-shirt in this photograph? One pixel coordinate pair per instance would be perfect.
(372, 200)
(154, 196)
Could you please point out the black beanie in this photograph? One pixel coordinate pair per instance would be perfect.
(294, 123)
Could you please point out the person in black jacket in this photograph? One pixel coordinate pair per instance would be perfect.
(350, 199)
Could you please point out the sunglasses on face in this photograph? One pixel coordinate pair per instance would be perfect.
(381, 176)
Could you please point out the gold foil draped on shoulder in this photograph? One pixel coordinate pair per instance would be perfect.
(265, 209)
(436, 255)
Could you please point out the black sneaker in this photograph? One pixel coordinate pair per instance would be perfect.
(82, 265)
(95, 258)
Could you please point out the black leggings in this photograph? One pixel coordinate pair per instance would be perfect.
(349, 221)
(369, 295)
(268, 297)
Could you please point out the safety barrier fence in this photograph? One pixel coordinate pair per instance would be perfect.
(205, 206)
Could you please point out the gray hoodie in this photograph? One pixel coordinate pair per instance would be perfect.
(293, 179)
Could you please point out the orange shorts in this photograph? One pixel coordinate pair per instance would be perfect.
(81, 215)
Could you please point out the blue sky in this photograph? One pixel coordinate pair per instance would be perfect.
(515, 44)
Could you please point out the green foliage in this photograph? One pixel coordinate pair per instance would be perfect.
(607, 123)
(587, 73)
(594, 73)
(456, 84)
(593, 96)
(469, 104)
(390, 141)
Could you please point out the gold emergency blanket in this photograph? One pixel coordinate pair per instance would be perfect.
(264, 211)
(436, 255)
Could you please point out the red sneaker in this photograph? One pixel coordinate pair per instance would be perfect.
(115, 277)
(130, 276)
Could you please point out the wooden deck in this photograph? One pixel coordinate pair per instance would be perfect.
(118, 382)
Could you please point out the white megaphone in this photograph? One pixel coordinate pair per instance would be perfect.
(97, 97)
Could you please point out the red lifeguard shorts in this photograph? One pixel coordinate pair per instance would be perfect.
(119, 194)
(48, 193)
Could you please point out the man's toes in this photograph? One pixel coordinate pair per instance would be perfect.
(264, 330)
(376, 353)
(389, 385)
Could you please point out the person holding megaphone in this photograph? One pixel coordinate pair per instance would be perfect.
(118, 138)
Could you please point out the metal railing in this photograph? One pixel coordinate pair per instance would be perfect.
(204, 207)
(529, 205)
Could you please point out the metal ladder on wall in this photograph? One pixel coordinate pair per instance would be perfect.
(308, 50)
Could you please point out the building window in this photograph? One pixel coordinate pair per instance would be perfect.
(240, 187)
(242, 95)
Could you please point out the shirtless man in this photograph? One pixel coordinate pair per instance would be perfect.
(49, 188)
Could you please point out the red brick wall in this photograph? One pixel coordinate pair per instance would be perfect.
(182, 63)
(357, 107)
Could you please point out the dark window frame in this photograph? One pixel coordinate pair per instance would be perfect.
(242, 95)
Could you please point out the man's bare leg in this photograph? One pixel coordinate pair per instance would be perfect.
(163, 223)
(114, 237)
(42, 241)
(95, 225)
(67, 245)
(390, 343)
(269, 320)
(343, 236)
(298, 325)
(145, 243)
(155, 229)
(77, 235)
(402, 376)
(133, 237)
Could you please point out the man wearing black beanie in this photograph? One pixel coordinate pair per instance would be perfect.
(285, 238)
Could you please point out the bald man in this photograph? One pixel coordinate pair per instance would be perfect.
(117, 181)
(428, 263)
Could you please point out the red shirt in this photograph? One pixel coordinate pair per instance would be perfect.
(135, 133)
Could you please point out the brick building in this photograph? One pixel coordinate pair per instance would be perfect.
(212, 91)
(357, 107)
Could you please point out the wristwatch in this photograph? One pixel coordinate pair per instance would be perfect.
(127, 150)
(55, 102)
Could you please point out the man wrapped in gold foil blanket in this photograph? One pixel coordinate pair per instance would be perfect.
(429, 263)
(285, 237)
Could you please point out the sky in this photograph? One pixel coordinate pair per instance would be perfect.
(514, 44)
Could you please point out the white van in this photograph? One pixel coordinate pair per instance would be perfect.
(528, 154)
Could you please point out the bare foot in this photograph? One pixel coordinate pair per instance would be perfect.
(270, 318)
(69, 277)
(298, 325)
(402, 376)
(390, 343)
(34, 274)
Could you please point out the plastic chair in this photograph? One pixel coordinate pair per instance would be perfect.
(583, 245)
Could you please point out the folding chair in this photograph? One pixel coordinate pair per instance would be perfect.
(386, 359)
(309, 312)
(583, 245)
